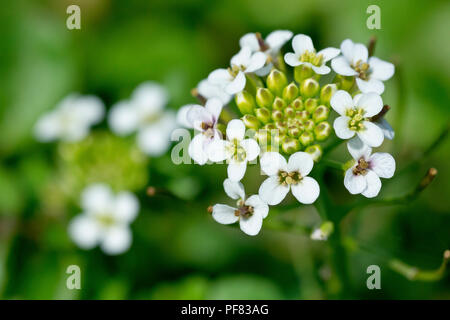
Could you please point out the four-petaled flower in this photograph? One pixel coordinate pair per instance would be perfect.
(369, 72)
(355, 116)
(236, 150)
(105, 220)
(233, 80)
(304, 53)
(364, 176)
(285, 176)
(249, 212)
(203, 119)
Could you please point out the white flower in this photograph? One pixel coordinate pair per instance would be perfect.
(249, 212)
(364, 176)
(319, 235)
(236, 150)
(233, 80)
(145, 113)
(304, 53)
(105, 219)
(203, 119)
(210, 90)
(270, 46)
(284, 176)
(71, 120)
(355, 116)
(369, 72)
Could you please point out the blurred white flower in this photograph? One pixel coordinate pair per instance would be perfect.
(71, 120)
(355, 116)
(369, 72)
(304, 53)
(105, 219)
(233, 80)
(270, 46)
(249, 212)
(236, 150)
(145, 113)
(285, 176)
(364, 176)
(318, 235)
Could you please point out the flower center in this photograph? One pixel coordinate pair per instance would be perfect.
(361, 167)
(311, 57)
(363, 69)
(236, 151)
(288, 178)
(243, 210)
(208, 129)
(356, 116)
(106, 220)
(234, 70)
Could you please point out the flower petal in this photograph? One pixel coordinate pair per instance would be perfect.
(358, 149)
(370, 102)
(329, 53)
(154, 140)
(249, 40)
(388, 131)
(84, 231)
(292, 59)
(214, 106)
(234, 189)
(259, 206)
(126, 207)
(197, 115)
(198, 149)
(236, 170)
(371, 135)
(251, 148)
(257, 61)
(302, 162)
(383, 164)
(220, 77)
(264, 71)
(224, 214)
(48, 127)
(242, 58)
(347, 49)
(97, 198)
(123, 118)
(210, 90)
(306, 191)
(272, 162)
(354, 183)
(341, 128)
(276, 39)
(116, 240)
(235, 130)
(217, 150)
(251, 225)
(321, 70)
(381, 70)
(341, 101)
(372, 85)
(149, 97)
(182, 116)
(272, 192)
(342, 66)
(301, 43)
(237, 85)
(360, 53)
(373, 185)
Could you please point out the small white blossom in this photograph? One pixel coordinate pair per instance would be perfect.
(270, 46)
(71, 120)
(369, 72)
(144, 112)
(203, 119)
(355, 116)
(233, 80)
(304, 53)
(105, 219)
(236, 150)
(318, 235)
(364, 176)
(285, 176)
(249, 212)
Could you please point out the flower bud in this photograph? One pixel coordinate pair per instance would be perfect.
(295, 131)
(306, 138)
(345, 82)
(251, 122)
(323, 232)
(245, 102)
(302, 72)
(302, 115)
(315, 151)
(264, 98)
(290, 145)
(277, 115)
(278, 104)
(297, 104)
(263, 114)
(281, 126)
(309, 88)
(309, 125)
(289, 112)
(321, 113)
(290, 92)
(327, 92)
(310, 105)
(263, 137)
(277, 140)
(276, 82)
(322, 131)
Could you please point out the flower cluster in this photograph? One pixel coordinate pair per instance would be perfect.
(281, 110)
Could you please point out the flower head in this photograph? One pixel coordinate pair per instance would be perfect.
(364, 176)
(369, 72)
(249, 212)
(288, 175)
(304, 53)
(355, 116)
(105, 219)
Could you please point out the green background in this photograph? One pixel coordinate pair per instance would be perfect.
(178, 251)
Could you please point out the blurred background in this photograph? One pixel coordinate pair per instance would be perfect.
(178, 251)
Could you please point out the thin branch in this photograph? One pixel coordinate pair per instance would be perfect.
(371, 45)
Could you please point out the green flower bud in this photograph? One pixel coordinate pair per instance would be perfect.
(277, 140)
(315, 151)
(276, 82)
(251, 122)
(320, 114)
(295, 131)
(263, 137)
(310, 105)
(290, 92)
(263, 114)
(245, 102)
(289, 112)
(345, 82)
(290, 145)
(298, 104)
(281, 126)
(326, 229)
(327, 92)
(277, 115)
(309, 88)
(306, 138)
(302, 72)
(264, 98)
(322, 131)
(302, 115)
(278, 104)
(309, 125)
